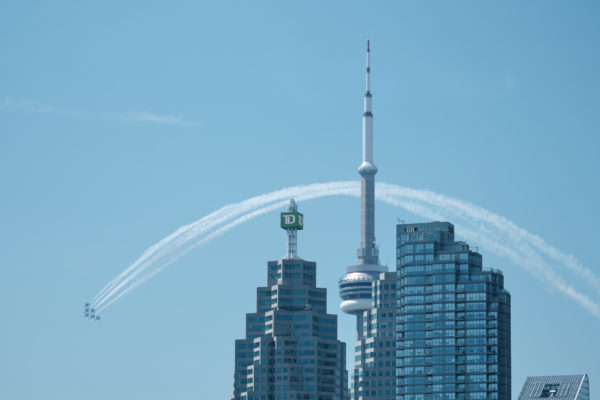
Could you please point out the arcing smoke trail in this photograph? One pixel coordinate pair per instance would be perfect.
(160, 266)
(467, 210)
(185, 234)
(496, 233)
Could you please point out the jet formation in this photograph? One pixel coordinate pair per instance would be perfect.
(90, 313)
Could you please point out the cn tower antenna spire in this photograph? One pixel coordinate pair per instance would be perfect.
(368, 253)
(368, 66)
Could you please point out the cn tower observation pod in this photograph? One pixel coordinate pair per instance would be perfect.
(355, 287)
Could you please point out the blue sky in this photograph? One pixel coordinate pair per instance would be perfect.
(121, 122)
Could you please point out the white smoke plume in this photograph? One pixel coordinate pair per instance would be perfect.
(183, 237)
(493, 232)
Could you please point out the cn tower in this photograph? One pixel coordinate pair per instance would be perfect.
(355, 287)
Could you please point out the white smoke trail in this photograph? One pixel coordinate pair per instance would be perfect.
(538, 268)
(300, 193)
(159, 248)
(200, 242)
(502, 224)
(494, 232)
(524, 255)
(185, 234)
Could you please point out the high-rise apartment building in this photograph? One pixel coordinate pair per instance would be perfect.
(564, 387)
(291, 350)
(453, 319)
(373, 376)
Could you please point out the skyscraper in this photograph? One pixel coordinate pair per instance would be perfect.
(453, 319)
(373, 376)
(291, 349)
(564, 387)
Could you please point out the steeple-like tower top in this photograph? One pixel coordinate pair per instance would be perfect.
(292, 221)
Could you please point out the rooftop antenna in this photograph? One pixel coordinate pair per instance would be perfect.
(292, 221)
(368, 252)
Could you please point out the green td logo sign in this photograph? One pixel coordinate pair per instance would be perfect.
(292, 220)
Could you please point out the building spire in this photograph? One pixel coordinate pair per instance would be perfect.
(291, 222)
(368, 67)
(368, 253)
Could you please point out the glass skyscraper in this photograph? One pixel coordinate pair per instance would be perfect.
(452, 319)
(291, 349)
(374, 353)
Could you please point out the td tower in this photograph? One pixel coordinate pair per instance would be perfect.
(356, 286)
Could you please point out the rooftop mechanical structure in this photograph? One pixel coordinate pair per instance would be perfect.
(355, 286)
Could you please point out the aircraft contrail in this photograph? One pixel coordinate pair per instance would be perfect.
(218, 232)
(186, 233)
(499, 222)
(493, 232)
(176, 238)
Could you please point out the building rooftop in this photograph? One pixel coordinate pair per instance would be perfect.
(575, 387)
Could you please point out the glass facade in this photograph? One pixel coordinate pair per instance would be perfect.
(374, 356)
(291, 349)
(452, 319)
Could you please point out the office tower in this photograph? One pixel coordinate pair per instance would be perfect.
(291, 349)
(563, 387)
(453, 319)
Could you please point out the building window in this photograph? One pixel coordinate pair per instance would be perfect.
(550, 390)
